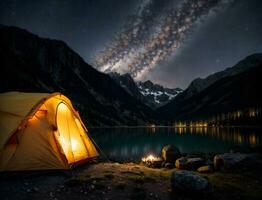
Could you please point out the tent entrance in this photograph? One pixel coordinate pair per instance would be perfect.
(69, 135)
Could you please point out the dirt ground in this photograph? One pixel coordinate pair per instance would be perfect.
(126, 181)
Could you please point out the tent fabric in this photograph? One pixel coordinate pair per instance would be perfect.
(41, 131)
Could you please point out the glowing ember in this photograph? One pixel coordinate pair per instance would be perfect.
(151, 158)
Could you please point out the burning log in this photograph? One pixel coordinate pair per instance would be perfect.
(152, 161)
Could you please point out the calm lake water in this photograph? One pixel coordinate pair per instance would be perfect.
(134, 143)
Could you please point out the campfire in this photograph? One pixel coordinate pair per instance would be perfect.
(152, 161)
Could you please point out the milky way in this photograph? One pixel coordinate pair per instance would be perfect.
(156, 32)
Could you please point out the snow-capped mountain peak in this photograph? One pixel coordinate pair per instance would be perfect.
(157, 93)
(151, 94)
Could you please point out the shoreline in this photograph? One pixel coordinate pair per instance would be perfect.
(112, 180)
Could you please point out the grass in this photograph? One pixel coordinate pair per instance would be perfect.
(136, 183)
(121, 185)
(109, 176)
(100, 185)
(235, 186)
(138, 193)
(149, 179)
(137, 179)
(132, 173)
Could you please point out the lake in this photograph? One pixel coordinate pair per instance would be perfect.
(134, 143)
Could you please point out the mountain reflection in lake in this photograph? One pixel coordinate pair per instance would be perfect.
(133, 143)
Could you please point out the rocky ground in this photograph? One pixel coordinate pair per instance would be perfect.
(135, 181)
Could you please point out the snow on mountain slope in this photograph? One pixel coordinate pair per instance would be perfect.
(157, 93)
(151, 94)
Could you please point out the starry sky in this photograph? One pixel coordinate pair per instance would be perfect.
(170, 42)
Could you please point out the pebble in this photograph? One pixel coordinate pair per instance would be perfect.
(51, 194)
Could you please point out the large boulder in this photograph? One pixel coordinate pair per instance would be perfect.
(228, 161)
(188, 182)
(170, 153)
(189, 163)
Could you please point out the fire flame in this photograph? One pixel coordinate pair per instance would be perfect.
(151, 158)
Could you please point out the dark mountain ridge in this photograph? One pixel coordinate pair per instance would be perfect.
(33, 64)
(236, 88)
(128, 83)
(200, 84)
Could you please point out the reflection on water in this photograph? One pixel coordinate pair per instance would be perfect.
(235, 135)
(133, 143)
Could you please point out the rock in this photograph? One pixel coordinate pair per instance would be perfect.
(169, 165)
(180, 163)
(153, 164)
(62, 186)
(205, 169)
(35, 189)
(189, 182)
(28, 190)
(170, 153)
(189, 163)
(229, 160)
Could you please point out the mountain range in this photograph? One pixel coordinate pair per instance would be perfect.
(149, 93)
(235, 88)
(33, 64)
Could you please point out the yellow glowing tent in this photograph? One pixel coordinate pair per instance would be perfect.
(40, 131)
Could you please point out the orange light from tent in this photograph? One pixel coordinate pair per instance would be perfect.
(74, 145)
(65, 144)
(70, 140)
(32, 119)
(63, 107)
(41, 113)
(36, 116)
(78, 123)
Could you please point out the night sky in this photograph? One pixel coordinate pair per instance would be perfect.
(170, 42)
